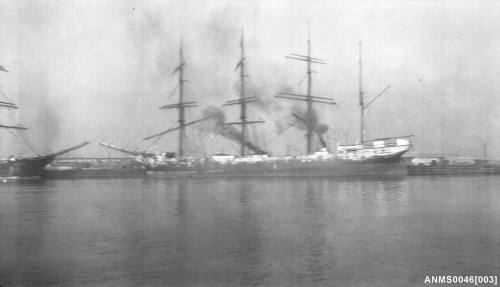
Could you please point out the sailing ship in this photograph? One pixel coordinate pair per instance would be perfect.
(22, 168)
(381, 150)
(379, 157)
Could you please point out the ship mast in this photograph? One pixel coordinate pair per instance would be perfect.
(361, 100)
(9, 105)
(362, 105)
(308, 97)
(243, 100)
(182, 130)
(309, 134)
(243, 105)
(181, 105)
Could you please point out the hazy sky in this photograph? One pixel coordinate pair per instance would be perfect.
(99, 70)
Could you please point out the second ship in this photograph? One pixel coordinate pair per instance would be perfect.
(376, 157)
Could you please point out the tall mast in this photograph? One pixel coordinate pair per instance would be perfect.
(243, 105)
(181, 121)
(362, 105)
(181, 104)
(361, 100)
(243, 100)
(309, 134)
(308, 97)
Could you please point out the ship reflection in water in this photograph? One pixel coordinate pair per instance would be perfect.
(261, 232)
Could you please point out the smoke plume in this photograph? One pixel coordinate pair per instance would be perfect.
(310, 121)
(217, 125)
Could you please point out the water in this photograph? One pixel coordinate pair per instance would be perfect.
(250, 232)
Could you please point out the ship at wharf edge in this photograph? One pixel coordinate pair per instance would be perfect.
(375, 157)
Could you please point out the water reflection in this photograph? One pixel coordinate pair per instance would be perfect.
(261, 232)
(33, 215)
(314, 235)
(248, 237)
(29, 257)
(180, 257)
(182, 206)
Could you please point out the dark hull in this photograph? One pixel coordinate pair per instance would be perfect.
(327, 168)
(75, 168)
(78, 173)
(30, 168)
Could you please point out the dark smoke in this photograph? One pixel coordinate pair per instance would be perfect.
(264, 101)
(216, 125)
(310, 121)
(321, 129)
(216, 122)
(322, 141)
(306, 120)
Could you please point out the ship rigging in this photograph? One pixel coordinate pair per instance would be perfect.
(308, 97)
(375, 157)
(242, 101)
(17, 168)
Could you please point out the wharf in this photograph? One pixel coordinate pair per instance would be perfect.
(444, 166)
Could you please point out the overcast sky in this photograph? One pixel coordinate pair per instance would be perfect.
(99, 70)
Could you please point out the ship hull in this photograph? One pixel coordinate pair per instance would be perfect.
(29, 168)
(327, 168)
(24, 169)
(75, 168)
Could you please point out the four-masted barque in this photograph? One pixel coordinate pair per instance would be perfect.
(378, 157)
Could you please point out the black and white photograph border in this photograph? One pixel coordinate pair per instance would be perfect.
(249, 143)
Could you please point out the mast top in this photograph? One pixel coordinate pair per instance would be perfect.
(243, 100)
(242, 41)
(308, 97)
(181, 104)
(362, 105)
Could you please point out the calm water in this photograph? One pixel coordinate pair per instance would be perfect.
(255, 232)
